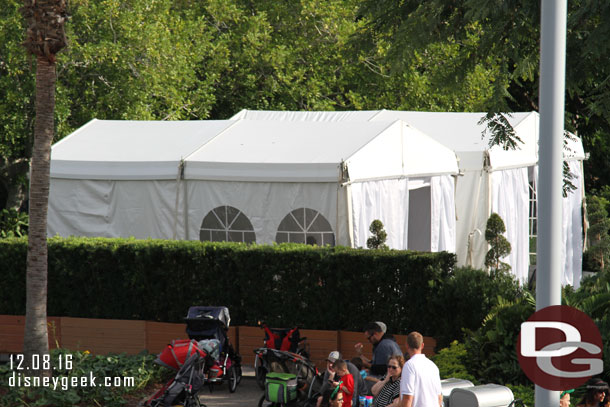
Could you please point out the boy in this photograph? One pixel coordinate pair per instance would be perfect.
(347, 381)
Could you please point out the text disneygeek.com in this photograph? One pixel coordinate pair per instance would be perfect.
(65, 382)
(62, 363)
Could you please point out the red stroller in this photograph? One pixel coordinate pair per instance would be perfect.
(188, 360)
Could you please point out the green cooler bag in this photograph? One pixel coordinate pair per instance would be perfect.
(280, 387)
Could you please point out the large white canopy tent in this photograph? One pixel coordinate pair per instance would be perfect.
(492, 180)
(245, 180)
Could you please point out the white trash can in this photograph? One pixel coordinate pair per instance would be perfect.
(447, 385)
(487, 395)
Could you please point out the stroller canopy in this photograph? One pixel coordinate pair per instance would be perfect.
(200, 312)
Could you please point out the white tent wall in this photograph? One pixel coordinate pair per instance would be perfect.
(472, 209)
(572, 230)
(443, 218)
(108, 208)
(572, 226)
(386, 200)
(482, 186)
(265, 204)
(510, 200)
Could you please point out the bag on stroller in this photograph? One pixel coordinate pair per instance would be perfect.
(292, 380)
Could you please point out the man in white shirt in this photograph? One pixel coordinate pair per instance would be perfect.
(420, 383)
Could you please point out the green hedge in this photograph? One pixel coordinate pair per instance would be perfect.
(283, 285)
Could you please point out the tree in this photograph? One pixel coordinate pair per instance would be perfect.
(45, 37)
(377, 241)
(506, 39)
(599, 240)
(499, 245)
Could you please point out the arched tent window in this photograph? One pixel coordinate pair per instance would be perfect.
(305, 225)
(226, 223)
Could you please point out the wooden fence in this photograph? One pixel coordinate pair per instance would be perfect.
(103, 336)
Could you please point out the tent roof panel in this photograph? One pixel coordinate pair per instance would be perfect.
(459, 131)
(272, 142)
(122, 149)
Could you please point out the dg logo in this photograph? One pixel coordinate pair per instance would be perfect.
(559, 348)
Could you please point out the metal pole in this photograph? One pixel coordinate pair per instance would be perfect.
(552, 98)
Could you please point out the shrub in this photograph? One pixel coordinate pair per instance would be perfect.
(13, 223)
(283, 285)
(451, 362)
(499, 246)
(492, 353)
(377, 241)
(469, 296)
(140, 367)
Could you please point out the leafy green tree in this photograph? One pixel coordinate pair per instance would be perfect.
(16, 107)
(499, 246)
(13, 223)
(599, 225)
(507, 38)
(377, 241)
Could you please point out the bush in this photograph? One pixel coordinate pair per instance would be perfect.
(492, 353)
(469, 296)
(283, 285)
(140, 367)
(451, 362)
(13, 223)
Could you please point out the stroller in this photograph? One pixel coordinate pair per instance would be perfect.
(293, 380)
(209, 327)
(185, 357)
(283, 339)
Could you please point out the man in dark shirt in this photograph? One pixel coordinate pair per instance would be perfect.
(384, 346)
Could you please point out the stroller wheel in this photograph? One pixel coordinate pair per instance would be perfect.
(232, 379)
(239, 374)
(261, 374)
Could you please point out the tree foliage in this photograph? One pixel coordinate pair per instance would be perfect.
(599, 226)
(183, 59)
(499, 246)
(507, 48)
(377, 240)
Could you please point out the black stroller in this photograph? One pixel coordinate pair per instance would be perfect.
(292, 379)
(209, 327)
(284, 339)
(183, 388)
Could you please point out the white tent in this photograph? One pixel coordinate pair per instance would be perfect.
(492, 180)
(246, 180)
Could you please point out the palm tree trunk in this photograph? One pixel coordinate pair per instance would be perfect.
(36, 334)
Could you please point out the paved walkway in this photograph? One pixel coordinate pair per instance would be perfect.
(247, 394)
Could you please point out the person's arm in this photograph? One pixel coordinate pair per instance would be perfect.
(348, 385)
(372, 379)
(440, 400)
(378, 386)
(366, 362)
(407, 400)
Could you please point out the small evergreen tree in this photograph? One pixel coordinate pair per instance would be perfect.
(377, 241)
(599, 224)
(499, 245)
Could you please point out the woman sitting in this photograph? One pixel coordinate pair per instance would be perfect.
(387, 391)
(596, 393)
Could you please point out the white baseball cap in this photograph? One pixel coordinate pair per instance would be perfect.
(333, 356)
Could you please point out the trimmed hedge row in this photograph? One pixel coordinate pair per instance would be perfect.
(282, 285)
